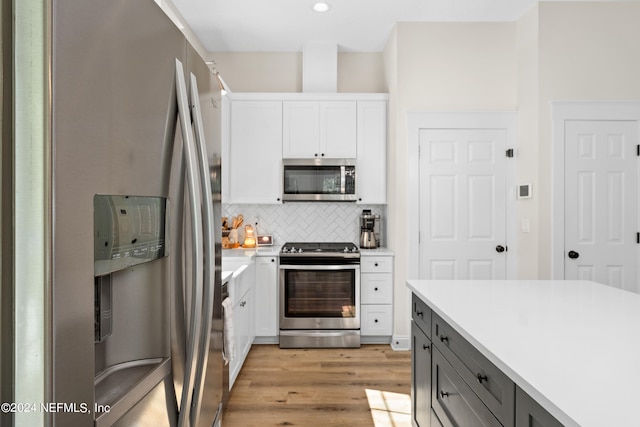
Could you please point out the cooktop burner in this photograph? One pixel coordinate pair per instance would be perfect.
(320, 248)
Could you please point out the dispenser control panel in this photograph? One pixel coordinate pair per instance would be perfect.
(128, 230)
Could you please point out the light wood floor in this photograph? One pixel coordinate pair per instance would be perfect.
(365, 387)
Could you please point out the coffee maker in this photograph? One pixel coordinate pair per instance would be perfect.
(369, 230)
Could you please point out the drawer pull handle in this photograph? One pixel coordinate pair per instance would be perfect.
(419, 313)
(443, 393)
(376, 264)
(375, 289)
(444, 338)
(375, 321)
(481, 378)
(426, 347)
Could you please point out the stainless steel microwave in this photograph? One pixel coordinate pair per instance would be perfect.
(319, 180)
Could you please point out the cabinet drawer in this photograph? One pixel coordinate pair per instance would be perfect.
(531, 413)
(376, 288)
(491, 385)
(421, 314)
(376, 319)
(376, 264)
(452, 399)
(435, 422)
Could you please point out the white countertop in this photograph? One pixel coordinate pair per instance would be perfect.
(226, 276)
(260, 251)
(574, 346)
(376, 252)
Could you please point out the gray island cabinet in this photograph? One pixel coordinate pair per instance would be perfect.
(512, 353)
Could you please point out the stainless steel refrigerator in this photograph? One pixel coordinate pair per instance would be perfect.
(129, 314)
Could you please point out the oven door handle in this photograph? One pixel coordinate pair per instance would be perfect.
(333, 267)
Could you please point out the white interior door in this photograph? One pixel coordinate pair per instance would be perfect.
(601, 202)
(462, 204)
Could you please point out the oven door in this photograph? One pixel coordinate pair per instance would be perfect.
(320, 297)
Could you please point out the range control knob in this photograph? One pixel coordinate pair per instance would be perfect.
(300, 250)
(285, 250)
(293, 250)
(345, 250)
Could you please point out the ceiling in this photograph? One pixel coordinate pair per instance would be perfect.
(353, 25)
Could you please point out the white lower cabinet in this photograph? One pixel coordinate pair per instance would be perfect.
(376, 298)
(242, 295)
(376, 319)
(266, 293)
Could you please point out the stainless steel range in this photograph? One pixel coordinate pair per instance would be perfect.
(319, 295)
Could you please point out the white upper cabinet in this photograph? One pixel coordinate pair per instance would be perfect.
(255, 174)
(371, 165)
(322, 129)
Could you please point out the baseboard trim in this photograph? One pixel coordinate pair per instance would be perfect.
(375, 339)
(266, 340)
(400, 343)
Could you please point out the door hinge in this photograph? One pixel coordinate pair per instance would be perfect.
(510, 152)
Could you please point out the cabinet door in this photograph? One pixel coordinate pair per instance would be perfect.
(256, 152)
(529, 413)
(319, 129)
(301, 129)
(371, 165)
(266, 292)
(420, 377)
(338, 129)
(452, 399)
(240, 334)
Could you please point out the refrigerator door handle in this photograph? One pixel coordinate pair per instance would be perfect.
(196, 231)
(209, 251)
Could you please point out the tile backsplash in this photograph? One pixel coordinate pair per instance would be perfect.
(307, 222)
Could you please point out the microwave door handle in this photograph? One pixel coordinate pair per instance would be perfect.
(343, 179)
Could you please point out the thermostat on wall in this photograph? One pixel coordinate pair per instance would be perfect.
(524, 191)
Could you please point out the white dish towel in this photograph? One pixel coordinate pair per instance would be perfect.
(228, 349)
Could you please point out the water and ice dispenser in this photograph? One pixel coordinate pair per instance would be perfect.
(129, 230)
(131, 302)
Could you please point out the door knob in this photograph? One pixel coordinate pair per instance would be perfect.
(573, 254)
(500, 249)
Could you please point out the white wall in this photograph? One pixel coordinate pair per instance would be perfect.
(556, 51)
(587, 51)
(527, 152)
(282, 71)
(439, 67)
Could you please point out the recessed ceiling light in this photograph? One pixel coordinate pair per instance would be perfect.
(321, 7)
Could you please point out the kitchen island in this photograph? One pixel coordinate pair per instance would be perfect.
(572, 346)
